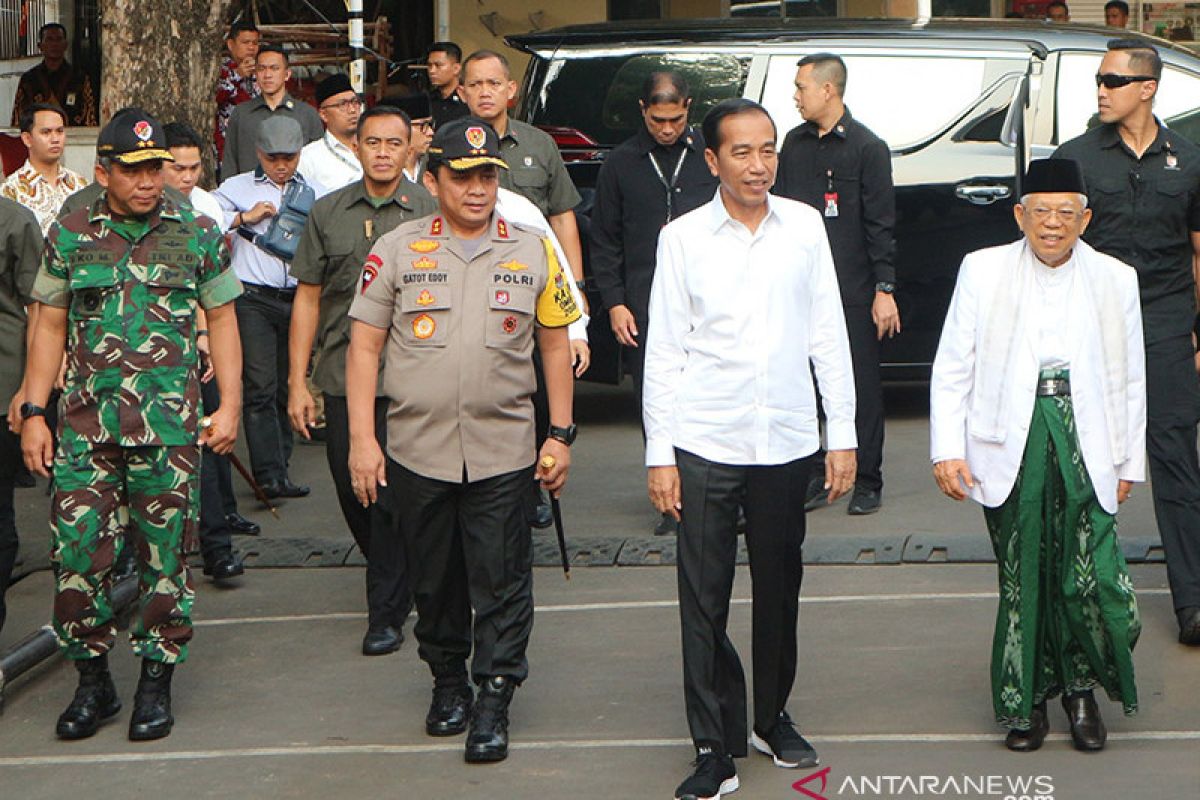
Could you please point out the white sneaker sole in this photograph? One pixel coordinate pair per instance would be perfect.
(761, 746)
(727, 787)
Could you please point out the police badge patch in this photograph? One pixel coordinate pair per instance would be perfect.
(370, 271)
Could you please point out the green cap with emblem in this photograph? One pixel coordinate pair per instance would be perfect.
(131, 137)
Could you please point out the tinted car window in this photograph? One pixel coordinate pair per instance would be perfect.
(572, 86)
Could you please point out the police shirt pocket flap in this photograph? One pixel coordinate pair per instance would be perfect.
(425, 299)
(529, 176)
(519, 300)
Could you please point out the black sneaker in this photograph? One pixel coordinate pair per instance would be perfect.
(784, 744)
(714, 776)
(864, 501)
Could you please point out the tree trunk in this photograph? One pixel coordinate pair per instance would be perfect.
(164, 57)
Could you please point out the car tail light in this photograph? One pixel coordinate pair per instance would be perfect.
(574, 144)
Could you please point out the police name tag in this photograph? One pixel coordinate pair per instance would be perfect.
(831, 204)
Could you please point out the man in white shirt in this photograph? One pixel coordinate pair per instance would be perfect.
(420, 111)
(332, 160)
(264, 312)
(43, 183)
(744, 308)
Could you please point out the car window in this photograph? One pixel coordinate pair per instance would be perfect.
(572, 87)
(904, 99)
(1177, 102)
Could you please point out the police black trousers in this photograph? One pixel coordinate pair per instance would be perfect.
(376, 530)
(714, 684)
(470, 550)
(10, 459)
(215, 537)
(1172, 412)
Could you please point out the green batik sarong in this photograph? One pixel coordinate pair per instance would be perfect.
(1068, 618)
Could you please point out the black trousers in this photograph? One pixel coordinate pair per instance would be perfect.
(376, 530)
(10, 461)
(470, 550)
(216, 539)
(714, 683)
(263, 318)
(1172, 412)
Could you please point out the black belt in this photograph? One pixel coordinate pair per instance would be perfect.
(1053, 387)
(287, 295)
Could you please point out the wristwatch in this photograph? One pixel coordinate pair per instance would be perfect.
(885, 287)
(30, 410)
(565, 435)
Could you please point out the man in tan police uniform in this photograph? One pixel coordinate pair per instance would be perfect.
(458, 299)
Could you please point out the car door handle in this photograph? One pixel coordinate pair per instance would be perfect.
(981, 194)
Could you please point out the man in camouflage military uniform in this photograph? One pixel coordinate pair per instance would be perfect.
(119, 286)
(458, 299)
(341, 230)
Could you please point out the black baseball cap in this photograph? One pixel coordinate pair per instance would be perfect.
(133, 136)
(466, 143)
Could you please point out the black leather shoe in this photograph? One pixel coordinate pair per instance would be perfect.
(1087, 729)
(667, 526)
(863, 502)
(487, 735)
(224, 567)
(240, 525)
(1030, 740)
(95, 701)
(452, 700)
(284, 488)
(543, 516)
(816, 496)
(152, 704)
(380, 641)
(1189, 626)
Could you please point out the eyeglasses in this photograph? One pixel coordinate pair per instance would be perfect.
(1066, 215)
(347, 105)
(423, 124)
(1111, 80)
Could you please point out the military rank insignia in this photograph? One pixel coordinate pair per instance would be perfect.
(435, 227)
(370, 271)
(424, 246)
(423, 326)
(502, 229)
(424, 262)
(513, 266)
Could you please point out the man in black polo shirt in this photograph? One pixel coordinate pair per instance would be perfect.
(651, 178)
(836, 165)
(1144, 189)
(444, 62)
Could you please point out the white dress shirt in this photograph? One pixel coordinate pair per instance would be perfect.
(736, 319)
(1052, 300)
(516, 208)
(251, 263)
(329, 162)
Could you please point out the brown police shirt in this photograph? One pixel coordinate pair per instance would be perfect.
(459, 355)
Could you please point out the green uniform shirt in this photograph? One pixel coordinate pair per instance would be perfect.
(535, 169)
(342, 228)
(20, 250)
(88, 195)
(131, 291)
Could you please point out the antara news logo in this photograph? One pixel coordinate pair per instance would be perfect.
(821, 785)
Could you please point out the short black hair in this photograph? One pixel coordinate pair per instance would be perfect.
(664, 87)
(271, 47)
(180, 134)
(383, 111)
(483, 55)
(26, 120)
(831, 68)
(50, 26)
(449, 48)
(1054, 3)
(711, 127)
(1120, 5)
(241, 26)
(1142, 56)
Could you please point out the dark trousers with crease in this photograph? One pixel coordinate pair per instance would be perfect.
(216, 490)
(714, 683)
(263, 321)
(376, 530)
(470, 549)
(10, 463)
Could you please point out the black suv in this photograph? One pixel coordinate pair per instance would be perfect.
(961, 103)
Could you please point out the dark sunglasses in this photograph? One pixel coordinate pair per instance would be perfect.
(1110, 80)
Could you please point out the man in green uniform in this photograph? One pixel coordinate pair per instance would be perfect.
(119, 286)
(458, 299)
(342, 228)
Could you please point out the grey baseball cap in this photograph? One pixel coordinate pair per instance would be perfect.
(280, 134)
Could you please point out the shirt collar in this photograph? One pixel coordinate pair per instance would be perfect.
(720, 214)
(336, 144)
(1110, 136)
(261, 177)
(510, 132)
(166, 209)
(28, 173)
(839, 128)
(646, 142)
(357, 193)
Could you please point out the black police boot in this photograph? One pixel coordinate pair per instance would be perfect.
(487, 737)
(95, 700)
(152, 704)
(452, 699)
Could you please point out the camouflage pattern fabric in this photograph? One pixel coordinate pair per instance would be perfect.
(100, 492)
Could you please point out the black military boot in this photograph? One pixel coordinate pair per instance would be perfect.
(452, 698)
(95, 700)
(487, 737)
(152, 704)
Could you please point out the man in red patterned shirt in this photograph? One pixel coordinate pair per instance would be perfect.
(236, 82)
